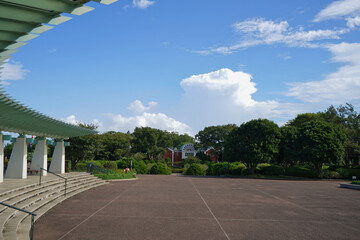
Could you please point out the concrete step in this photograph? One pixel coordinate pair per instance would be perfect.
(16, 197)
(39, 198)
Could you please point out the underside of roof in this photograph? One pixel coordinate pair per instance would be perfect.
(21, 21)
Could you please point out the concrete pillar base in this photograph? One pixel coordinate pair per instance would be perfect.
(17, 166)
(1, 159)
(40, 157)
(58, 159)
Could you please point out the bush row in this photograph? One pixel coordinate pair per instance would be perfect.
(220, 169)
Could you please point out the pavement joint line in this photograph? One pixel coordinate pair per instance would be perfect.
(217, 221)
(97, 211)
(302, 208)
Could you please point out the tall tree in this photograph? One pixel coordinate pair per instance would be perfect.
(214, 136)
(348, 119)
(113, 145)
(288, 147)
(253, 142)
(82, 148)
(321, 142)
(150, 141)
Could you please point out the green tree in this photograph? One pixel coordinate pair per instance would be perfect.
(321, 142)
(348, 119)
(113, 146)
(151, 141)
(288, 147)
(214, 136)
(82, 148)
(303, 118)
(253, 142)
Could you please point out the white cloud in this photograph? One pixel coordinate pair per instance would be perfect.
(258, 31)
(224, 82)
(138, 107)
(142, 3)
(225, 96)
(117, 122)
(338, 9)
(12, 71)
(352, 22)
(338, 87)
(70, 119)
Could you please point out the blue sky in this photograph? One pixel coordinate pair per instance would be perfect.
(184, 65)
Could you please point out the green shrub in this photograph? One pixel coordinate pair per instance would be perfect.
(160, 168)
(80, 167)
(68, 166)
(330, 175)
(110, 165)
(356, 182)
(236, 168)
(96, 163)
(190, 160)
(333, 167)
(263, 165)
(195, 169)
(297, 171)
(272, 170)
(140, 167)
(177, 170)
(121, 164)
(348, 172)
(217, 169)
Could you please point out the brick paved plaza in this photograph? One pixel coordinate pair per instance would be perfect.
(178, 207)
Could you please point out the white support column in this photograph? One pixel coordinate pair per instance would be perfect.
(40, 156)
(1, 158)
(58, 159)
(17, 166)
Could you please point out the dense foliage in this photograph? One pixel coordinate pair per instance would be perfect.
(254, 142)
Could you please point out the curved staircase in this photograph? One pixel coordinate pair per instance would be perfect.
(39, 199)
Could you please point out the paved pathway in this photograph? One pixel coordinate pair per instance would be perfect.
(177, 207)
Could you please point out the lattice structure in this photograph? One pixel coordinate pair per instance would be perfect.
(21, 21)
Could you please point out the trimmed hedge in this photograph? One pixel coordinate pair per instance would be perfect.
(272, 170)
(140, 167)
(80, 167)
(195, 169)
(217, 169)
(160, 168)
(68, 166)
(326, 174)
(110, 165)
(121, 164)
(348, 172)
(297, 171)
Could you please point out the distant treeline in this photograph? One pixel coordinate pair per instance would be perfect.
(313, 139)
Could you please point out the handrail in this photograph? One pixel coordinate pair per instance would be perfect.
(25, 211)
(43, 169)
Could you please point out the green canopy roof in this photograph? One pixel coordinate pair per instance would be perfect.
(21, 21)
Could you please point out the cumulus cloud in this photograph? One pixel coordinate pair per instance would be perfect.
(338, 9)
(12, 71)
(70, 119)
(258, 31)
(138, 107)
(224, 82)
(353, 22)
(223, 97)
(117, 122)
(340, 86)
(142, 3)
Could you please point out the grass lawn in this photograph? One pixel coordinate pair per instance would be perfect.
(115, 175)
(356, 182)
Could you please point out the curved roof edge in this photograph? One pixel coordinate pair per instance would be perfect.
(21, 21)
